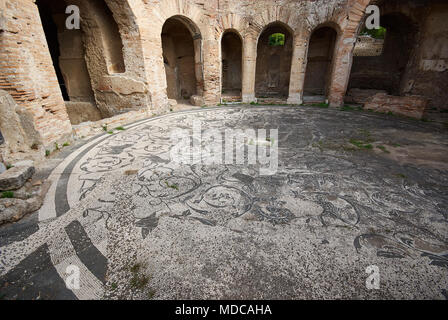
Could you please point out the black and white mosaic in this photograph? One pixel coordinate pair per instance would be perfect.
(225, 231)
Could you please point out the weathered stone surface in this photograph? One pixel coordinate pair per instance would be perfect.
(79, 112)
(15, 177)
(119, 62)
(19, 132)
(26, 200)
(361, 96)
(12, 131)
(409, 106)
(172, 102)
(123, 85)
(89, 128)
(12, 210)
(197, 101)
(27, 72)
(2, 168)
(24, 163)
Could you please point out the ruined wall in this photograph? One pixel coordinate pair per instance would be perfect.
(27, 73)
(20, 137)
(123, 52)
(367, 46)
(67, 51)
(124, 55)
(114, 56)
(415, 54)
(385, 71)
(427, 74)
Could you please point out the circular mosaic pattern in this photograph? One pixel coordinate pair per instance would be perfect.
(120, 198)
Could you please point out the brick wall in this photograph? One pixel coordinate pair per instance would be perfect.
(27, 73)
(26, 70)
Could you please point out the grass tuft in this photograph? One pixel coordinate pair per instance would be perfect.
(151, 294)
(383, 148)
(172, 186)
(361, 144)
(138, 280)
(320, 105)
(7, 195)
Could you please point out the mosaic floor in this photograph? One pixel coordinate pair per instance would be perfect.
(352, 190)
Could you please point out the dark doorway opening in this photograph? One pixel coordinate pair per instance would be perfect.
(179, 58)
(319, 64)
(274, 57)
(46, 10)
(232, 58)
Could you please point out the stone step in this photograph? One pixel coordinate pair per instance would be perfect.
(278, 101)
(226, 99)
(16, 177)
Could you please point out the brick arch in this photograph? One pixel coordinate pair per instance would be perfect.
(94, 25)
(233, 22)
(197, 48)
(183, 9)
(332, 22)
(273, 24)
(356, 16)
(251, 28)
(231, 30)
(192, 15)
(351, 26)
(275, 13)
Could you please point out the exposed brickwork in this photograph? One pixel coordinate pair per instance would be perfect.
(415, 55)
(26, 69)
(139, 82)
(409, 106)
